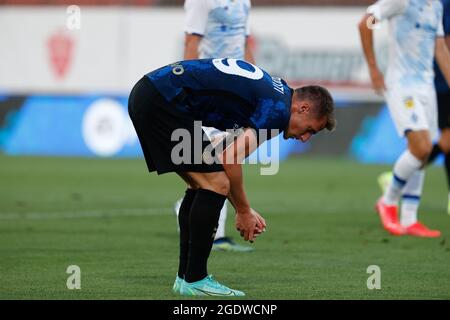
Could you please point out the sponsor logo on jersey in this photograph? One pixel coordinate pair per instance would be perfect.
(278, 85)
(409, 102)
(177, 68)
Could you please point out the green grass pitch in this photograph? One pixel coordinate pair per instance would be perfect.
(115, 221)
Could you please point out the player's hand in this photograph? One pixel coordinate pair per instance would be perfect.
(250, 224)
(261, 224)
(377, 81)
(260, 227)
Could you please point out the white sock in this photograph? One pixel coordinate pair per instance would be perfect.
(411, 198)
(177, 211)
(404, 168)
(220, 233)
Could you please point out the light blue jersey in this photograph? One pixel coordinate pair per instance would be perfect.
(413, 28)
(223, 25)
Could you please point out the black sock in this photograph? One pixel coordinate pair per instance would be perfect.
(447, 169)
(183, 222)
(203, 221)
(434, 153)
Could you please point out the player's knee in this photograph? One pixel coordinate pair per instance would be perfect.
(422, 151)
(445, 147)
(444, 142)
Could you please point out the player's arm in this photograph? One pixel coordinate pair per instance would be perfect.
(232, 159)
(248, 51)
(366, 35)
(248, 221)
(248, 54)
(381, 10)
(442, 56)
(191, 44)
(447, 41)
(196, 18)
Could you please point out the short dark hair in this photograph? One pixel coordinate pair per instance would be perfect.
(322, 100)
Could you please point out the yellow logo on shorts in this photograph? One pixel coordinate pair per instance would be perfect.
(409, 103)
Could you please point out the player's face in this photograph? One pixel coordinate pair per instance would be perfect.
(303, 123)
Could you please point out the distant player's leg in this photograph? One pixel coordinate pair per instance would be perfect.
(419, 142)
(410, 118)
(445, 139)
(435, 152)
(443, 146)
(220, 233)
(384, 179)
(410, 161)
(203, 219)
(447, 170)
(411, 195)
(176, 210)
(444, 142)
(404, 168)
(410, 204)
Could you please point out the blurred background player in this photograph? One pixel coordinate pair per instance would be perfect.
(416, 36)
(218, 28)
(443, 99)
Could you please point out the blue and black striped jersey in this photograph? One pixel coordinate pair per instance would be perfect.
(226, 93)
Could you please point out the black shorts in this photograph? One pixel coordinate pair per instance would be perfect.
(444, 110)
(155, 119)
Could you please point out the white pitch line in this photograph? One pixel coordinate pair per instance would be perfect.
(103, 213)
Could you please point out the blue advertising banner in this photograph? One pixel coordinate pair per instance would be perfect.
(88, 126)
(73, 126)
(378, 141)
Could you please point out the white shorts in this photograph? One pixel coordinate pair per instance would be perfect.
(413, 109)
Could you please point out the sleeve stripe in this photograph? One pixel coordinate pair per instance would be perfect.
(195, 33)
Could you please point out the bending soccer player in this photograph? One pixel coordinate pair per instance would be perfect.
(416, 36)
(218, 29)
(225, 94)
